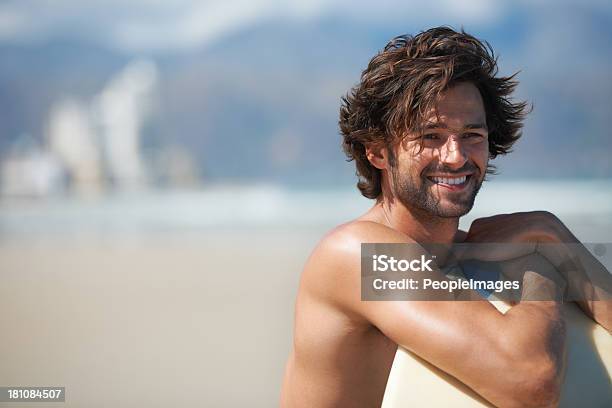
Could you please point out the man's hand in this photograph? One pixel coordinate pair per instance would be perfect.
(588, 280)
(522, 227)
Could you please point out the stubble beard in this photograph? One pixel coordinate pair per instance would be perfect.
(417, 192)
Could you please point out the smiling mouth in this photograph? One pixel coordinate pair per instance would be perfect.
(454, 183)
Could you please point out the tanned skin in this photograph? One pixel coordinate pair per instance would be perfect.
(344, 347)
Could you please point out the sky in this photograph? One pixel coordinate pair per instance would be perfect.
(163, 26)
(267, 75)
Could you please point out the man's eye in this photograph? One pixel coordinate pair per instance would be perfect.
(472, 135)
(431, 136)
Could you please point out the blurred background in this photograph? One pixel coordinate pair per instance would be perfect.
(166, 168)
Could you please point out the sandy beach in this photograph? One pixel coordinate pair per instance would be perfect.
(159, 321)
(128, 316)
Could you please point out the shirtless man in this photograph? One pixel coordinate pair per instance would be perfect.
(421, 126)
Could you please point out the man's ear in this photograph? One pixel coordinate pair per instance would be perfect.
(378, 156)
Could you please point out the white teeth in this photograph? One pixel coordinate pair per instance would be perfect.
(450, 181)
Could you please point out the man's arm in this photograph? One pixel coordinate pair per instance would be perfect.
(470, 340)
(588, 280)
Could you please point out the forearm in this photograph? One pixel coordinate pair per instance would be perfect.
(589, 283)
(535, 335)
(536, 328)
(527, 344)
(512, 360)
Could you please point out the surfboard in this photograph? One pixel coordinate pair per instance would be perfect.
(413, 382)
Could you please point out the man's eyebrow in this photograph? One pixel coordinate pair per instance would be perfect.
(442, 125)
(476, 126)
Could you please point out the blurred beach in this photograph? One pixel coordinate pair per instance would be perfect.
(167, 167)
(186, 298)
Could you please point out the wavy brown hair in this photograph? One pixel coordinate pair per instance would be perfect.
(403, 83)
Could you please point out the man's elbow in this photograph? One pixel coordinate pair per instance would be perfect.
(536, 363)
(534, 378)
(544, 388)
(539, 386)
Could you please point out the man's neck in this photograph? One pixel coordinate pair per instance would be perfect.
(417, 224)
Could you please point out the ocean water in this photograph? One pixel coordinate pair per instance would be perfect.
(585, 206)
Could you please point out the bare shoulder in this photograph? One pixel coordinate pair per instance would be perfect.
(333, 268)
(363, 231)
(345, 240)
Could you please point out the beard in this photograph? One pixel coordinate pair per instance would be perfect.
(416, 191)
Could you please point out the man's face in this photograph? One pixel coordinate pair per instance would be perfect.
(444, 177)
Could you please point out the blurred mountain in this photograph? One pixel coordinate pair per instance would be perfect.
(261, 104)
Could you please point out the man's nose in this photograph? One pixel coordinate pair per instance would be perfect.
(452, 153)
